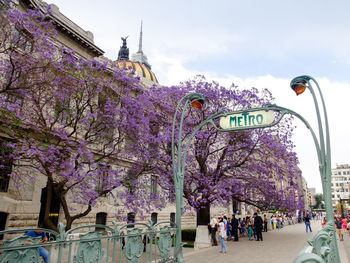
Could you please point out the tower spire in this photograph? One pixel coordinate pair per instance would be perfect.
(139, 56)
(140, 40)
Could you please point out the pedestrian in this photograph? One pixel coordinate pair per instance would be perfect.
(228, 229)
(274, 220)
(234, 227)
(345, 224)
(222, 235)
(278, 219)
(243, 226)
(307, 222)
(214, 228)
(339, 227)
(250, 228)
(42, 251)
(265, 223)
(271, 221)
(254, 231)
(258, 225)
(324, 222)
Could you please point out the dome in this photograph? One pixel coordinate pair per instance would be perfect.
(142, 69)
(138, 61)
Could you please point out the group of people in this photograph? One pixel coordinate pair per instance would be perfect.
(341, 223)
(227, 229)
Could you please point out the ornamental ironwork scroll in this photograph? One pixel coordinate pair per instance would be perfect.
(89, 250)
(165, 243)
(320, 249)
(25, 255)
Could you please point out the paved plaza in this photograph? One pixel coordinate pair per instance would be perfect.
(278, 246)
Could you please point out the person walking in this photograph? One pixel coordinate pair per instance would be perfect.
(234, 227)
(339, 228)
(222, 236)
(307, 222)
(258, 225)
(214, 228)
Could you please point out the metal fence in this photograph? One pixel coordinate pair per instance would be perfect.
(321, 247)
(130, 243)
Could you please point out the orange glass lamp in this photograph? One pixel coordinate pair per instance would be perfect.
(197, 103)
(299, 84)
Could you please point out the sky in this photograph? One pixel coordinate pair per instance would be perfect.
(252, 43)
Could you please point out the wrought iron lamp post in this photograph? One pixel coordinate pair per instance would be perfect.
(324, 245)
(299, 85)
(196, 100)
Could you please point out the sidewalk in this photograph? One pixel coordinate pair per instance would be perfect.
(278, 246)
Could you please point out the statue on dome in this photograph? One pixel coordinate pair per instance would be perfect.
(124, 50)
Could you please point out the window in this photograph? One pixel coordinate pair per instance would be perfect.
(14, 88)
(154, 218)
(154, 186)
(5, 165)
(172, 219)
(102, 180)
(153, 146)
(101, 219)
(130, 219)
(62, 110)
(22, 40)
(13, 96)
(105, 123)
(3, 218)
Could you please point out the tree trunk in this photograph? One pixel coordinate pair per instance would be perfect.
(203, 215)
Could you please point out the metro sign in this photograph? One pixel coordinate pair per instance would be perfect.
(248, 120)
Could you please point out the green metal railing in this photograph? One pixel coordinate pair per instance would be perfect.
(130, 243)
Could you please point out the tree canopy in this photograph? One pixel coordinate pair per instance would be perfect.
(257, 167)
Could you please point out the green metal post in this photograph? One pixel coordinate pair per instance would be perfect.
(325, 164)
(178, 168)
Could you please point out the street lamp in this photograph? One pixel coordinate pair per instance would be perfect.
(197, 100)
(299, 85)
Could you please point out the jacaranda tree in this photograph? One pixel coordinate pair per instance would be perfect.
(75, 122)
(256, 167)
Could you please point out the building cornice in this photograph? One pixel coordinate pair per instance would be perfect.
(66, 26)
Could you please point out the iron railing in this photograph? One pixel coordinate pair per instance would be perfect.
(321, 247)
(130, 243)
